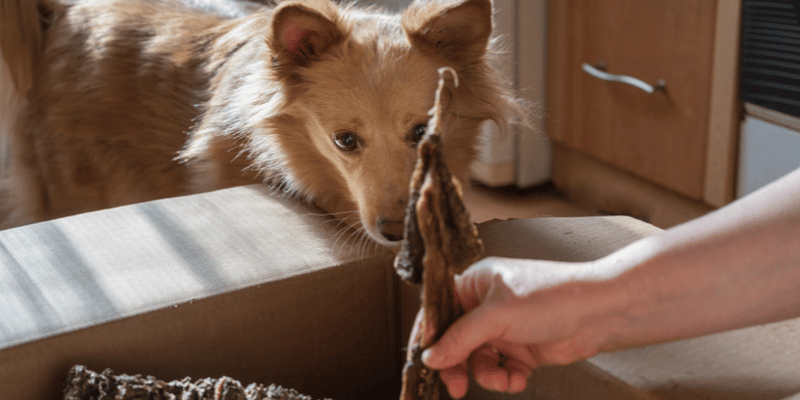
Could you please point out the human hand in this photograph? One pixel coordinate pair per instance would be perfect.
(519, 314)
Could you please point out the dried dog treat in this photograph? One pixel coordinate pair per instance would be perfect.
(440, 241)
(83, 384)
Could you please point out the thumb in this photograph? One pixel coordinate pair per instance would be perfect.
(463, 337)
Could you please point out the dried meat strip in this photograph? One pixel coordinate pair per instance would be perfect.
(83, 384)
(440, 241)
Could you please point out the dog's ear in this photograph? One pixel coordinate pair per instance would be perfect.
(458, 31)
(303, 31)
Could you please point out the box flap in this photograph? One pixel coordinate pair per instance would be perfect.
(239, 282)
(92, 268)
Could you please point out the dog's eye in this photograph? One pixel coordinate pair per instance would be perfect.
(418, 133)
(345, 141)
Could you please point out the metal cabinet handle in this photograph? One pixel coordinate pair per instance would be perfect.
(599, 74)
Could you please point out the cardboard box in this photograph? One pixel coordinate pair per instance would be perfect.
(243, 283)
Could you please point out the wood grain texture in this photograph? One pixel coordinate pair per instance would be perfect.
(725, 112)
(661, 137)
(596, 185)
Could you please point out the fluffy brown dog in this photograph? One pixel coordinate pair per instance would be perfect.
(124, 101)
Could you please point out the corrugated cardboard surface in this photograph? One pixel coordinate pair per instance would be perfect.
(237, 282)
(760, 362)
(242, 283)
(561, 239)
(129, 260)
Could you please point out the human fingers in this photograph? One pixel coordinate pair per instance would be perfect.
(474, 284)
(456, 379)
(487, 371)
(518, 376)
(482, 321)
(497, 371)
(469, 332)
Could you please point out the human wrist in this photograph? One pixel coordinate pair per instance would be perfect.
(587, 311)
(614, 297)
(606, 317)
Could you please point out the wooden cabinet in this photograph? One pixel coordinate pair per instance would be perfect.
(680, 139)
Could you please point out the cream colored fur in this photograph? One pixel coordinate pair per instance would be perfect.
(123, 101)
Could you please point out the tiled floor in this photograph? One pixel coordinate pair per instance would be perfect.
(486, 203)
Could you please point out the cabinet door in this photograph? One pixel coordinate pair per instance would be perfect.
(660, 136)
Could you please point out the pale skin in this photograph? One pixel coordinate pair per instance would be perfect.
(738, 266)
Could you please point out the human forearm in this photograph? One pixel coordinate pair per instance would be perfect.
(736, 267)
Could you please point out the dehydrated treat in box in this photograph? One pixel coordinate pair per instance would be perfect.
(83, 384)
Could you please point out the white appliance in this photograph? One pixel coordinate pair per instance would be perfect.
(522, 157)
(769, 143)
(769, 147)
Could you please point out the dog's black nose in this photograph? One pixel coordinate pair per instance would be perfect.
(392, 238)
(391, 230)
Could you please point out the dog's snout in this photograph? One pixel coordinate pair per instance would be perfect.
(391, 230)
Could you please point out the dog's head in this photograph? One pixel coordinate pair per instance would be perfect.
(357, 87)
